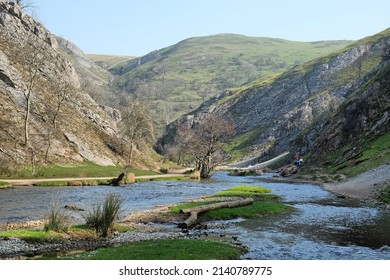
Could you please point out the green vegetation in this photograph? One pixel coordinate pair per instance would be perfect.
(258, 193)
(57, 220)
(255, 210)
(108, 61)
(261, 206)
(102, 216)
(175, 209)
(245, 190)
(4, 184)
(240, 145)
(373, 153)
(181, 72)
(384, 195)
(80, 170)
(32, 235)
(177, 249)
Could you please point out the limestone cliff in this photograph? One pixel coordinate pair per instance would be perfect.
(64, 122)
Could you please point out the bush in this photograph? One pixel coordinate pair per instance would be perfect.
(58, 220)
(102, 217)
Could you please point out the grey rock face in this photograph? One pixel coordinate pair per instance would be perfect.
(53, 83)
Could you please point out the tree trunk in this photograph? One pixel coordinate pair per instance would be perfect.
(27, 120)
(195, 211)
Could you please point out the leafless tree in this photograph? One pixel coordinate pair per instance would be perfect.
(205, 143)
(137, 124)
(33, 57)
(62, 92)
(27, 5)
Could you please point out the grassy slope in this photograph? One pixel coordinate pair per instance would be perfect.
(197, 68)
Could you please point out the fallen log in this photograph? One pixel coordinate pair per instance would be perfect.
(195, 211)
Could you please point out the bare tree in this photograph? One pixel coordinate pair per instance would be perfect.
(137, 124)
(62, 92)
(33, 57)
(27, 5)
(205, 143)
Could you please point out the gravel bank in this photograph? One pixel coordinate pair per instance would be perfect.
(364, 185)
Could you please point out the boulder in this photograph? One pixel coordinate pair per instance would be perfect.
(123, 179)
(289, 170)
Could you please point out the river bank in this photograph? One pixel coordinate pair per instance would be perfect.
(364, 186)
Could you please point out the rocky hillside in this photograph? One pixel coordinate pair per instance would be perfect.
(272, 113)
(356, 137)
(46, 115)
(94, 79)
(177, 79)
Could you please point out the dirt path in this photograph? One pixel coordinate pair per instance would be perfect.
(246, 164)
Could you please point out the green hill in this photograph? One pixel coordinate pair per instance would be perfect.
(177, 79)
(332, 110)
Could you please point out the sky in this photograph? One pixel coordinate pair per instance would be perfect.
(137, 27)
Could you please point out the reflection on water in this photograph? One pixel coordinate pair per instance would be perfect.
(322, 226)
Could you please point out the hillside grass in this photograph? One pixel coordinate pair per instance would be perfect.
(241, 145)
(190, 72)
(373, 153)
(85, 169)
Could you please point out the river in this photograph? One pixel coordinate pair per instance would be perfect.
(322, 226)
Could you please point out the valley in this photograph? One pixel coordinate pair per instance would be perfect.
(177, 120)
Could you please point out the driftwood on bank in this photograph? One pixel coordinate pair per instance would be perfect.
(195, 211)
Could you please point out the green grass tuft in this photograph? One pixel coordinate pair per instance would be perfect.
(255, 210)
(258, 193)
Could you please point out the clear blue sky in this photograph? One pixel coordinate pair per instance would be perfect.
(136, 27)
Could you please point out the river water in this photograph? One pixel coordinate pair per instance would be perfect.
(322, 226)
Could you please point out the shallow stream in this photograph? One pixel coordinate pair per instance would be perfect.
(322, 226)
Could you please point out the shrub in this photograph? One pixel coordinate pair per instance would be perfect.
(58, 220)
(102, 217)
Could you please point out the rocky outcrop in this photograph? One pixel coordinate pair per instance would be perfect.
(65, 123)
